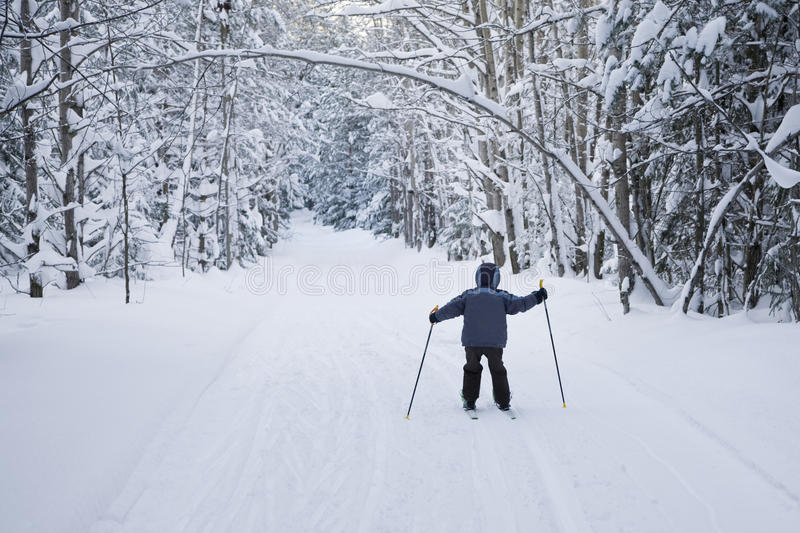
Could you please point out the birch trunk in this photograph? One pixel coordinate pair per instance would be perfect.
(187, 159)
(494, 200)
(413, 238)
(581, 250)
(551, 201)
(228, 99)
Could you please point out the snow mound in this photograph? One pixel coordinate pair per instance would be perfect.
(789, 126)
(379, 101)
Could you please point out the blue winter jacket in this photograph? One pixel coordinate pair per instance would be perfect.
(485, 310)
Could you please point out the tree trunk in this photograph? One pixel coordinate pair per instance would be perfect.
(700, 215)
(621, 193)
(126, 237)
(508, 216)
(123, 171)
(29, 153)
(186, 173)
(794, 249)
(551, 202)
(494, 200)
(574, 140)
(599, 254)
(68, 9)
(413, 237)
(523, 248)
(228, 100)
(396, 196)
(512, 15)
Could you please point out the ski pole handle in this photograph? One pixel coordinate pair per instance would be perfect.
(541, 282)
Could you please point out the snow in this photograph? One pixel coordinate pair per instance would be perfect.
(766, 11)
(756, 109)
(668, 74)
(690, 39)
(616, 74)
(495, 219)
(561, 63)
(624, 10)
(18, 92)
(49, 257)
(86, 383)
(64, 25)
(790, 125)
(785, 177)
(602, 30)
(206, 406)
(379, 100)
(616, 79)
(648, 29)
(462, 87)
(381, 9)
(465, 87)
(247, 63)
(712, 31)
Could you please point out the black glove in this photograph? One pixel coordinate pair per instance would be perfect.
(542, 294)
(432, 318)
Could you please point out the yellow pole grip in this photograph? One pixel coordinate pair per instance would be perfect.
(541, 282)
(433, 311)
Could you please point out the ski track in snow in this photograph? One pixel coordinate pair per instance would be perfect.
(302, 428)
(726, 447)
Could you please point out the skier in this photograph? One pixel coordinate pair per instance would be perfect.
(485, 332)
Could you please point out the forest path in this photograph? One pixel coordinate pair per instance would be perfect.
(304, 429)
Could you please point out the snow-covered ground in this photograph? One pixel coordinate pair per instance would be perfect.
(249, 401)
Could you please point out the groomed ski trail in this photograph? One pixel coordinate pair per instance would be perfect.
(304, 429)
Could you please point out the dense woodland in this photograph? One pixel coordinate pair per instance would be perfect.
(656, 144)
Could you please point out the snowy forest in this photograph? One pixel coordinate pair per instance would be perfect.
(652, 143)
(255, 256)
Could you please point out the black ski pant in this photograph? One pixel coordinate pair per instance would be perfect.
(473, 369)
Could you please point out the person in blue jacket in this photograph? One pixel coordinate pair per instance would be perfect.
(485, 331)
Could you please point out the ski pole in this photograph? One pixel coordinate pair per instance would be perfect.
(420, 365)
(553, 344)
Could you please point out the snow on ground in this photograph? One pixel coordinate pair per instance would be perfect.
(249, 402)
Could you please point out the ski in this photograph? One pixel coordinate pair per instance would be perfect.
(472, 413)
(510, 412)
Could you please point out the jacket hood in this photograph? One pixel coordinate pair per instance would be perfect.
(487, 275)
